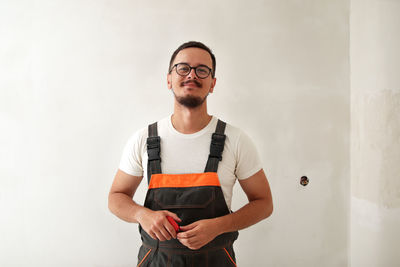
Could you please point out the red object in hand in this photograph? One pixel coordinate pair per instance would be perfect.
(174, 224)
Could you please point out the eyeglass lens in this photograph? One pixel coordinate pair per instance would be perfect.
(184, 69)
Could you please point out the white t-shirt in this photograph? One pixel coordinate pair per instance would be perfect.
(188, 153)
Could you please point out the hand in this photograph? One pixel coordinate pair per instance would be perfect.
(198, 234)
(155, 223)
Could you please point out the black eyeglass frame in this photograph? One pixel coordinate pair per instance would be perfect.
(190, 69)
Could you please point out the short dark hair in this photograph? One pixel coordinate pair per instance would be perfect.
(198, 45)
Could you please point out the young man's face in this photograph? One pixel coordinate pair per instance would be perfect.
(190, 90)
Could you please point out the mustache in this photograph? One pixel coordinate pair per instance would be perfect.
(198, 84)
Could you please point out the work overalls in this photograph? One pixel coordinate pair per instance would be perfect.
(192, 197)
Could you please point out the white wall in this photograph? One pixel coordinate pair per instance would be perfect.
(375, 120)
(77, 78)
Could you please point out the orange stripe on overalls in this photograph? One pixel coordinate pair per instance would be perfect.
(184, 180)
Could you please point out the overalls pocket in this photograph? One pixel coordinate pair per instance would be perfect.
(144, 256)
(221, 257)
(190, 203)
(231, 256)
(181, 198)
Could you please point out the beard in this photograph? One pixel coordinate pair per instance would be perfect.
(190, 101)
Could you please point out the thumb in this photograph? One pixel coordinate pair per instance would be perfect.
(188, 227)
(174, 216)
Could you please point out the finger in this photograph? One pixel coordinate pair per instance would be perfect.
(174, 216)
(159, 236)
(191, 244)
(188, 227)
(166, 234)
(184, 242)
(186, 234)
(170, 229)
(152, 235)
(194, 246)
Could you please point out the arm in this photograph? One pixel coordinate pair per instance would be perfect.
(121, 204)
(259, 207)
(260, 204)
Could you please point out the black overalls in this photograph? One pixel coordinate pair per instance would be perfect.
(192, 197)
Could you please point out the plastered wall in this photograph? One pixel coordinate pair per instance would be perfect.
(375, 132)
(77, 78)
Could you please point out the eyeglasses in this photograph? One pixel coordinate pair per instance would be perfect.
(184, 69)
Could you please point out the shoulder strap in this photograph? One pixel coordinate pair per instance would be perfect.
(153, 152)
(216, 147)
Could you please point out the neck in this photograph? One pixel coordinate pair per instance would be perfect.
(190, 120)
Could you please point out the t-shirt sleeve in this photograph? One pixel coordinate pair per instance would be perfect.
(247, 159)
(131, 160)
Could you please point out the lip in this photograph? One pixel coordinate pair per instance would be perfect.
(191, 84)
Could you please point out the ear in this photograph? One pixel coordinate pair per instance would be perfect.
(214, 81)
(169, 80)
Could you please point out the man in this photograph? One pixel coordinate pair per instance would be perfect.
(190, 180)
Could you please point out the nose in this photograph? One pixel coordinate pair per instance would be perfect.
(192, 74)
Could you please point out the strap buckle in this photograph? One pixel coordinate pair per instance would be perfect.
(217, 145)
(153, 148)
